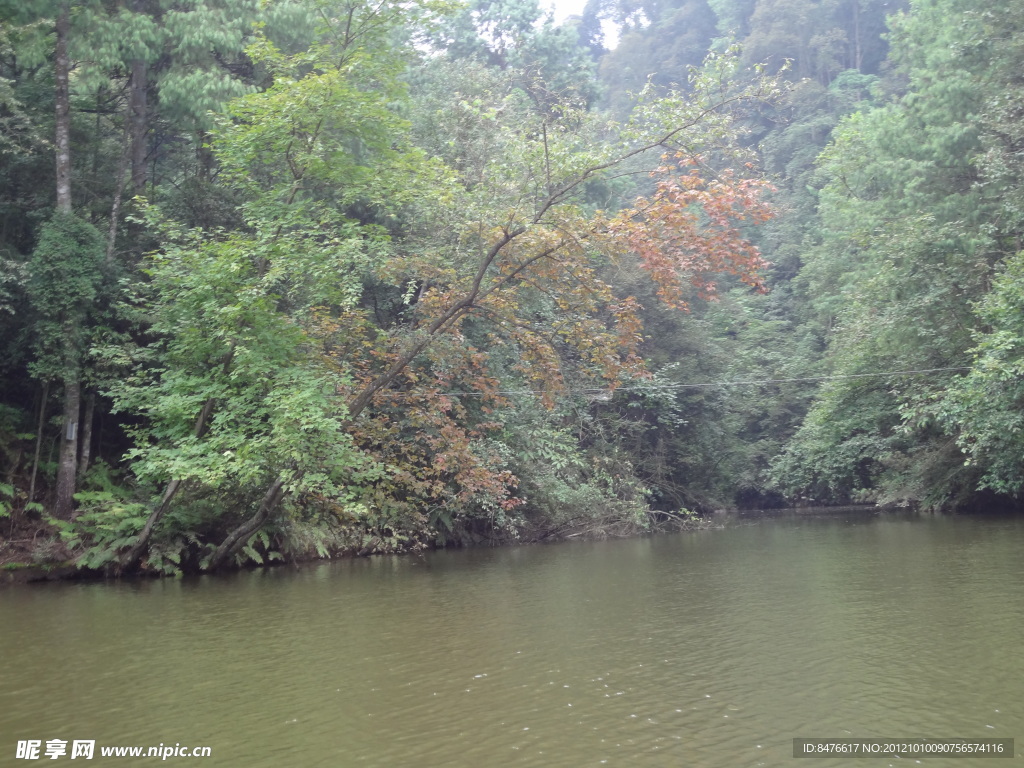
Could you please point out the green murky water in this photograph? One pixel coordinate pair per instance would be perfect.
(714, 648)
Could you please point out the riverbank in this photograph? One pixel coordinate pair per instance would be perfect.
(39, 554)
(43, 557)
(25, 573)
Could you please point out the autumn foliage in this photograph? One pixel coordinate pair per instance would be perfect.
(426, 392)
(691, 229)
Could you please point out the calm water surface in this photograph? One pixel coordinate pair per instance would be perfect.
(714, 649)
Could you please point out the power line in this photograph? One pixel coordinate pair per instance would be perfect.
(705, 385)
(836, 377)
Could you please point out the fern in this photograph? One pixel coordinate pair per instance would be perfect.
(6, 497)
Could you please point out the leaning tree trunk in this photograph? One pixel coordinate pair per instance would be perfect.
(276, 492)
(131, 559)
(241, 534)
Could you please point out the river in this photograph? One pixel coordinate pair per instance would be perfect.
(715, 648)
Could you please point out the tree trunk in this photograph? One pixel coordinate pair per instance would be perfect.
(63, 111)
(115, 207)
(39, 442)
(276, 491)
(138, 113)
(858, 55)
(129, 560)
(68, 463)
(241, 534)
(204, 156)
(86, 441)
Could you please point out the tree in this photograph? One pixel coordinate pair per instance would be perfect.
(661, 45)
(904, 252)
(547, 59)
(474, 251)
(300, 153)
(65, 277)
(177, 63)
(983, 408)
(821, 39)
(92, 49)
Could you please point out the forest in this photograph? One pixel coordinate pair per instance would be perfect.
(286, 279)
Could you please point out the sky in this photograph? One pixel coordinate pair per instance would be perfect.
(565, 8)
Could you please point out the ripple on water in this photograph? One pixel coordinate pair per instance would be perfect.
(699, 650)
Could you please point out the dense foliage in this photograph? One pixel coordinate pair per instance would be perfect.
(310, 277)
